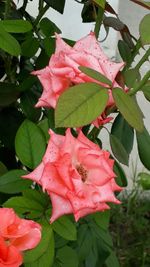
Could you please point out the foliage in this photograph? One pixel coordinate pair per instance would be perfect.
(26, 44)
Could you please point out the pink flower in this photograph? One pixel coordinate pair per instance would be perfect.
(9, 255)
(77, 175)
(16, 235)
(63, 70)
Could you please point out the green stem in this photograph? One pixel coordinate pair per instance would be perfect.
(42, 12)
(143, 59)
(99, 19)
(7, 8)
(140, 84)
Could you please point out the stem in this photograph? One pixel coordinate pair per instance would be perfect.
(143, 59)
(24, 5)
(140, 84)
(7, 8)
(99, 19)
(42, 12)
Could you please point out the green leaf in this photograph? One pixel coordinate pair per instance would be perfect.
(118, 150)
(84, 241)
(125, 51)
(131, 77)
(49, 45)
(144, 180)
(80, 105)
(27, 141)
(56, 4)
(48, 27)
(121, 179)
(101, 3)
(16, 26)
(27, 103)
(3, 168)
(128, 108)
(8, 43)
(12, 183)
(44, 126)
(65, 228)
(9, 93)
(124, 133)
(112, 260)
(146, 90)
(23, 205)
(95, 75)
(143, 142)
(43, 254)
(37, 196)
(145, 30)
(102, 219)
(29, 47)
(68, 257)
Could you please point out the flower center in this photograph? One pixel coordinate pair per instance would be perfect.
(83, 172)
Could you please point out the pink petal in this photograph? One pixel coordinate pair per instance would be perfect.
(61, 45)
(29, 240)
(60, 206)
(81, 213)
(36, 174)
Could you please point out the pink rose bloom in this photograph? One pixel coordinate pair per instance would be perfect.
(77, 175)
(16, 235)
(63, 70)
(9, 255)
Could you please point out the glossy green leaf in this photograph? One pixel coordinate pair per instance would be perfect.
(124, 132)
(29, 47)
(12, 183)
(143, 142)
(43, 254)
(124, 51)
(95, 75)
(8, 43)
(56, 4)
(23, 205)
(144, 180)
(145, 30)
(44, 126)
(131, 77)
(49, 45)
(128, 108)
(27, 103)
(84, 241)
(48, 27)
(121, 178)
(101, 3)
(68, 257)
(9, 93)
(16, 26)
(118, 150)
(102, 219)
(28, 137)
(65, 228)
(80, 105)
(3, 168)
(146, 90)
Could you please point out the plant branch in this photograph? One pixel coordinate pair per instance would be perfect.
(99, 19)
(140, 84)
(143, 59)
(40, 15)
